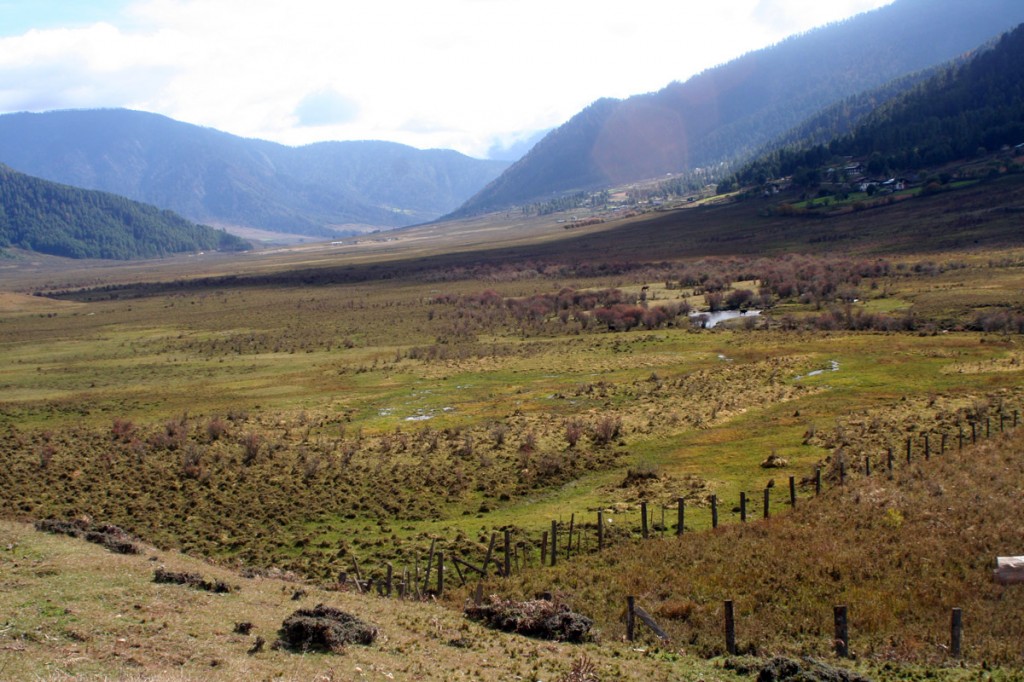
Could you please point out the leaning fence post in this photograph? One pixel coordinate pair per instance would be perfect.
(630, 618)
(956, 631)
(730, 628)
(842, 632)
(679, 525)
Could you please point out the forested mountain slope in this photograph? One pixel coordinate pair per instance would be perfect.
(55, 219)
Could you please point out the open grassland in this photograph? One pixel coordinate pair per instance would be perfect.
(314, 412)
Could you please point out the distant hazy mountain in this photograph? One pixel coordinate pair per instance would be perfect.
(213, 177)
(728, 112)
(46, 217)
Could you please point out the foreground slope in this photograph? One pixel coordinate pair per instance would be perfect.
(80, 612)
(728, 112)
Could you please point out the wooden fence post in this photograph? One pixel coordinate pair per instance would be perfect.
(714, 511)
(554, 542)
(956, 631)
(600, 530)
(842, 471)
(643, 521)
(430, 565)
(630, 618)
(743, 506)
(767, 500)
(988, 427)
(568, 545)
(730, 628)
(817, 480)
(842, 638)
(681, 517)
(867, 465)
(888, 461)
(440, 573)
(391, 575)
(792, 491)
(508, 553)
(974, 432)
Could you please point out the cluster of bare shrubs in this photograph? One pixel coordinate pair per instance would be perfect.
(614, 309)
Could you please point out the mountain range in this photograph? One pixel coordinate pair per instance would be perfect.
(725, 114)
(208, 176)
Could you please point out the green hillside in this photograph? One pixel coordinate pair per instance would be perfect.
(42, 216)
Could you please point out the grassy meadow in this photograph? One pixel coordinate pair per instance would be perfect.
(313, 410)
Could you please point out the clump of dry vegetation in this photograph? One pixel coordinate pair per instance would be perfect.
(539, 618)
(114, 538)
(324, 628)
(193, 580)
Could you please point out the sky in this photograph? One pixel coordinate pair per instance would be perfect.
(470, 75)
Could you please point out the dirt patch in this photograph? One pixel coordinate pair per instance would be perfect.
(324, 628)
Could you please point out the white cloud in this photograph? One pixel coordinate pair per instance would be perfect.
(446, 73)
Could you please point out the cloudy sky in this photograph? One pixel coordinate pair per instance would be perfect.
(460, 74)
